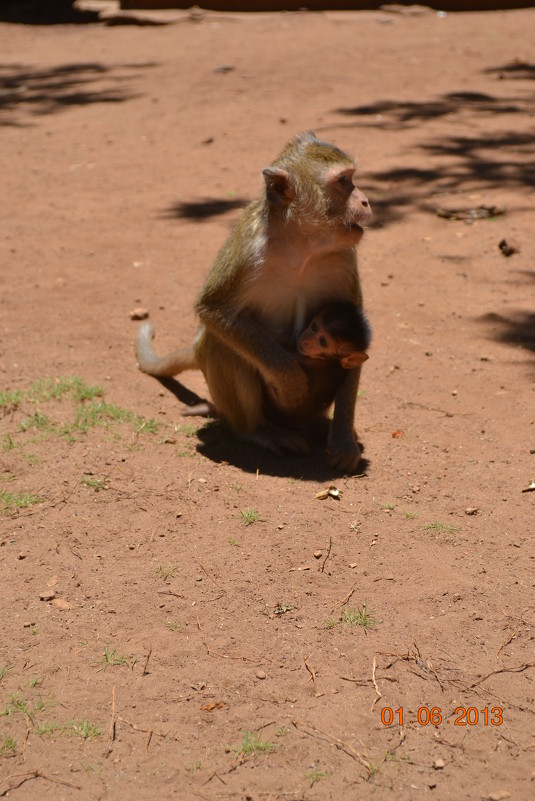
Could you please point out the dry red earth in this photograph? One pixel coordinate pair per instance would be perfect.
(175, 635)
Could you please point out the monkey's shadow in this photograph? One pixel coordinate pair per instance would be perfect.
(219, 444)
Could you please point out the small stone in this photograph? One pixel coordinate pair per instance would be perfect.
(28, 625)
(47, 596)
(509, 246)
(471, 510)
(261, 675)
(61, 603)
(139, 314)
(21, 555)
(439, 764)
(500, 795)
(318, 554)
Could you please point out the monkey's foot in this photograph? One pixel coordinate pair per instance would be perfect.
(280, 440)
(344, 453)
(204, 409)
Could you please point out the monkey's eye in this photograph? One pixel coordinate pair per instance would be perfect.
(323, 342)
(345, 182)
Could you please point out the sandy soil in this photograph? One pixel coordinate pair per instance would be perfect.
(181, 617)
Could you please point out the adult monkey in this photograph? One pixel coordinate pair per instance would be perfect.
(291, 253)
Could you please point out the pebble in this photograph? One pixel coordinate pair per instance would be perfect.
(438, 764)
(139, 314)
(260, 674)
(471, 510)
(317, 554)
(500, 795)
(47, 596)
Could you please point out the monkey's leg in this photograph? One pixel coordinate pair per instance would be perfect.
(238, 395)
(342, 445)
(161, 366)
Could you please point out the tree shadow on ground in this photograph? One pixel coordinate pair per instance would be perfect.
(45, 12)
(517, 328)
(24, 90)
(219, 444)
(204, 209)
(494, 159)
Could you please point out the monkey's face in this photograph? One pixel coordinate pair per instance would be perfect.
(316, 342)
(347, 207)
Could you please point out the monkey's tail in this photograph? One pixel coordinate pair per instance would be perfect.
(161, 366)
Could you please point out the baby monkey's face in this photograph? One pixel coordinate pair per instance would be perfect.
(317, 342)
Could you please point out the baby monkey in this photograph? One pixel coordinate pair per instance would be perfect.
(335, 340)
(339, 331)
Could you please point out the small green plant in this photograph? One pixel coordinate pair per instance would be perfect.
(97, 484)
(12, 502)
(37, 421)
(359, 617)
(173, 625)
(8, 443)
(17, 704)
(9, 746)
(194, 766)
(10, 399)
(4, 670)
(440, 528)
(236, 486)
(35, 682)
(410, 515)
(234, 541)
(85, 730)
(363, 617)
(188, 429)
(316, 775)
(47, 389)
(251, 745)
(282, 731)
(388, 507)
(49, 727)
(147, 425)
(166, 571)
(281, 609)
(249, 516)
(112, 659)
(100, 413)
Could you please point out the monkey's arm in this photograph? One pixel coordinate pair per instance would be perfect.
(343, 449)
(277, 366)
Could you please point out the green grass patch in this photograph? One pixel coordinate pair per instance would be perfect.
(11, 502)
(8, 746)
(111, 658)
(440, 528)
(362, 616)
(252, 745)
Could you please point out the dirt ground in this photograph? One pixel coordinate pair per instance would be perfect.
(181, 616)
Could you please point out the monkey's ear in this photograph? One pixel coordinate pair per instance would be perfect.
(353, 359)
(279, 186)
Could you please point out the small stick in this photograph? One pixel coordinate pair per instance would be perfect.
(311, 671)
(328, 554)
(377, 690)
(147, 661)
(111, 732)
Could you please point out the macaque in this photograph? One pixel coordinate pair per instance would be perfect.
(292, 252)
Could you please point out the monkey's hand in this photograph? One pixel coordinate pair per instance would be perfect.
(290, 385)
(344, 452)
